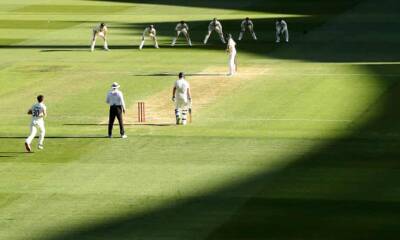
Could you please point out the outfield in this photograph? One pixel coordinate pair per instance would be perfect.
(302, 144)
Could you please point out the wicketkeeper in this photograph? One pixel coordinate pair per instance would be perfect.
(216, 26)
(99, 31)
(151, 32)
(115, 99)
(38, 112)
(247, 24)
(182, 27)
(182, 97)
(281, 29)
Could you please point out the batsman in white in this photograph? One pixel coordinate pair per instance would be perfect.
(281, 29)
(38, 112)
(182, 97)
(231, 49)
(214, 25)
(182, 27)
(99, 31)
(151, 32)
(247, 24)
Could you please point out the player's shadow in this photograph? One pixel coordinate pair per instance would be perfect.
(175, 74)
(125, 124)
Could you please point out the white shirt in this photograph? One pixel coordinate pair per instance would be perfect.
(38, 111)
(281, 25)
(181, 86)
(115, 98)
(246, 23)
(149, 31)
(231, 46)
(180, 27)
(98, 29)
(215, 25)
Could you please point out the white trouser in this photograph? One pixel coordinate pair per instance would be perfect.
(94, 40)
(35, 124)
(232, 63)
(182, 106)
(152, 37)
(218, 30)
(280, 31)
(185, 33)
(250, 28)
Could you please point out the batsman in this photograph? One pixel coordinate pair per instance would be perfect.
(183, 100)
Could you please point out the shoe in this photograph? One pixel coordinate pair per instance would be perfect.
(106, 49)
(124, 136)
(40, 146)
(28, 147)
(109, 136)
(183, 122)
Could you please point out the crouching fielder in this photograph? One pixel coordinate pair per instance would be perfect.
(182, 97)
(38, 112)
(99, 31)
(247, 24)
(281, 29)
(182, 27)
(214, 25)
(151, 32)
(231, 49)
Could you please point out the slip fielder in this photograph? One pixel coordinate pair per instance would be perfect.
(231, 49)
(151, 32)
(214, 25)
(182, 27)
(281, 29)
(181, 95)
(38, 112)
(247, 24)
(100, 31)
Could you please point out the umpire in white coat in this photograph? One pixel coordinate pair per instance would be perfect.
(115, 99)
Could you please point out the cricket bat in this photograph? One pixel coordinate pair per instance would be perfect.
(190, 115)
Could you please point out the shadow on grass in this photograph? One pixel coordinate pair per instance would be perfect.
(126, 124)
(347, 189)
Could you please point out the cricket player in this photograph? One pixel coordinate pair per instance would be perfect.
(247, 24)
(182, 27)
(100, 31)
(38, 112)
(215, 25)
(115, 99)
(281, 29)
(231, 49)
(182, 97)
(151, 32)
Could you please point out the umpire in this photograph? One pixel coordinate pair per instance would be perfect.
(115, 99)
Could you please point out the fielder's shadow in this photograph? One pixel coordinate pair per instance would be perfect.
(55, 137)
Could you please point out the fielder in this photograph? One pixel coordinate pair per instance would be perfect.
(38, 112)
(281, 29)
(100, 31)
(247, 24)
(182, 27)
(231, 49)
(182, 97)
(151, 32)
(215, 25)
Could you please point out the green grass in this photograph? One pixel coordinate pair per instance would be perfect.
(306, 150)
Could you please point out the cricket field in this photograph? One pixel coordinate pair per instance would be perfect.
(303, 143)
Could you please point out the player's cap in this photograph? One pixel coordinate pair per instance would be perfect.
(115, 85)
(247, 18)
